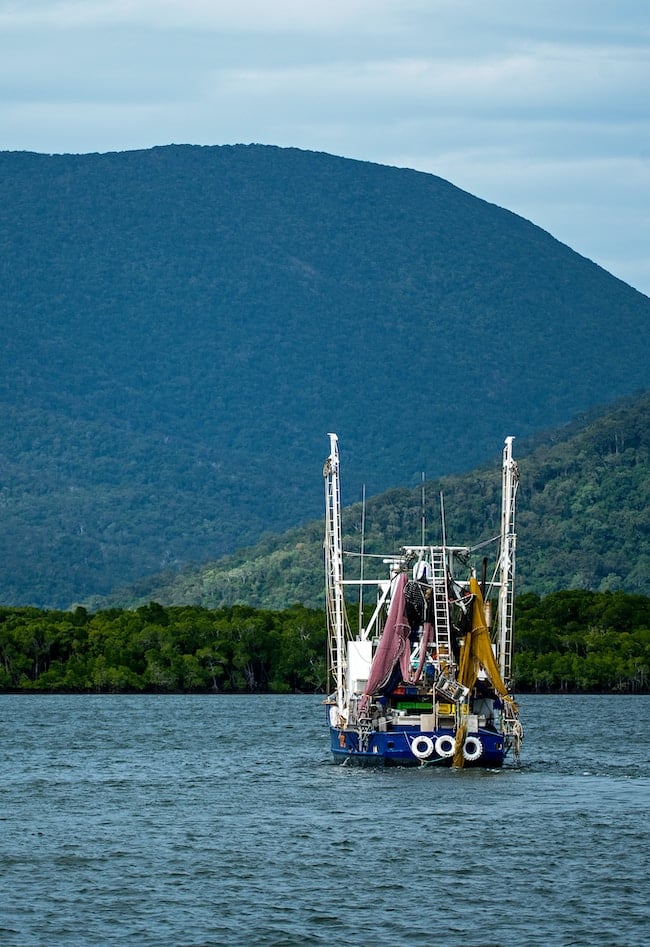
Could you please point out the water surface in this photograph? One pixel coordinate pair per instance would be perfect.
(188, 821)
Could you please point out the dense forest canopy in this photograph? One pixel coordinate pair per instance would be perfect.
(162, 649)
(567, 641)
(182, 326)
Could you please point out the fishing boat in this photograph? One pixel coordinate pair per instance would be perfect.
(426, 679)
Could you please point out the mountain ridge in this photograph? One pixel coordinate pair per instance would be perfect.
(182, 323)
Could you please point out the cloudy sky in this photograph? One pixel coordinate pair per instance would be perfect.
(541, 106)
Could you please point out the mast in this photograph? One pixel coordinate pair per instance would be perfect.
(510, 482)
(334, 571)
(363, 545)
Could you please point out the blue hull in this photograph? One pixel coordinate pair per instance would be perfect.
(412, 747)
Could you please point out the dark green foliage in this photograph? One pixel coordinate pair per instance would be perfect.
(583, 522)
(583, 641)
(182, 326)
(578, 640)
(162, 649)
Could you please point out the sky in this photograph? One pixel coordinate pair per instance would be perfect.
(539, 106)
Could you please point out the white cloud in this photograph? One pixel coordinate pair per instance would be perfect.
(248, 15)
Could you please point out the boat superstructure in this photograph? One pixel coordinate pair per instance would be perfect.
(427, 679)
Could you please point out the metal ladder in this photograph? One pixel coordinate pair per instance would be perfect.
(507, 627)
(441, 621)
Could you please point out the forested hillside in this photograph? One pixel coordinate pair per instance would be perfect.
(182, 326)
(583, 523)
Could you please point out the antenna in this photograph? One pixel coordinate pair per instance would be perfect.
(363, 542)
(442, 518)
(423, 514)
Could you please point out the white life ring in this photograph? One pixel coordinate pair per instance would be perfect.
(422, 747)
(445, 746)
(472, 749)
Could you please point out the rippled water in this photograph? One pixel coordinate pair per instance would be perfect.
(221, 820)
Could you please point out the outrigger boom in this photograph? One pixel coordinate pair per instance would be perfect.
(425, 680)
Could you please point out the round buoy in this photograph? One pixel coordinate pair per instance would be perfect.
(472, 749)
(445, 746)
(422, 747)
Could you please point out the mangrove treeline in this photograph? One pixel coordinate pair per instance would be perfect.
(574, 641)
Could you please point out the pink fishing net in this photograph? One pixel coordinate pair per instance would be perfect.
(393, 645)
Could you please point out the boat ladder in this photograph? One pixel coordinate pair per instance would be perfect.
(506, 631)
(364, 729)
(441, 620)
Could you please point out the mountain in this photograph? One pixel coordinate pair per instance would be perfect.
(583, 522)
(182, 326)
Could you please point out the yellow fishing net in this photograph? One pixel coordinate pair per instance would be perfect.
(461, 733)
(476, 653)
